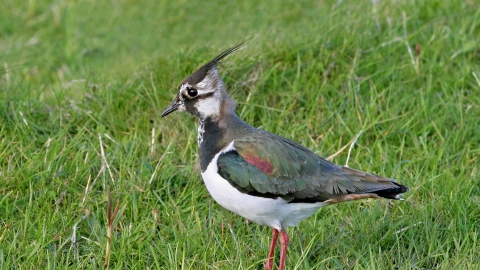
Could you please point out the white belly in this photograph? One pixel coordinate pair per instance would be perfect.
(276, 213)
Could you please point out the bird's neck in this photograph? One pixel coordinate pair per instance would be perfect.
(214, 134)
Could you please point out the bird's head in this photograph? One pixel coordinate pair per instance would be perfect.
(203, 93)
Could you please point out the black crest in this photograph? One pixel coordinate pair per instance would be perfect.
(200, 74)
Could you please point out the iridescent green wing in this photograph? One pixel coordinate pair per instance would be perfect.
(275, 166)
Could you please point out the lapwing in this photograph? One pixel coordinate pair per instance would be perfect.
(261, 176)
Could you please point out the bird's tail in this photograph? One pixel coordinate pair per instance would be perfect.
(356, 185)
(394, 193)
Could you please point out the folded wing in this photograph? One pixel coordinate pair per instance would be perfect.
(272, 166)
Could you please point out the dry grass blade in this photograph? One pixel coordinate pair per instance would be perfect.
(351, 143)
(110, 217)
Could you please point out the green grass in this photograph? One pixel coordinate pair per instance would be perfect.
(77, 77)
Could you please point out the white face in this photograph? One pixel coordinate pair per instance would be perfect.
(208, 107)
(201, 99)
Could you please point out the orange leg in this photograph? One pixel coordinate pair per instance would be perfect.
(283, 252)
(271, 253)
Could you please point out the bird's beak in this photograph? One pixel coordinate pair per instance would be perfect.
(171, 108)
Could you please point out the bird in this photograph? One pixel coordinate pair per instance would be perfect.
(261, 176)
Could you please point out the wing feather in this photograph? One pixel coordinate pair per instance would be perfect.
(276, 167)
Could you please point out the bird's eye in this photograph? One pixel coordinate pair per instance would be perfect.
(192, 92)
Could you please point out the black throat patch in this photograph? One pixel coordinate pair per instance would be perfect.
(210, 139)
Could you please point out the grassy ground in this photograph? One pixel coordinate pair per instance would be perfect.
(82, 85)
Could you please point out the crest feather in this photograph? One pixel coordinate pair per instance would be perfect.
(200, 74)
